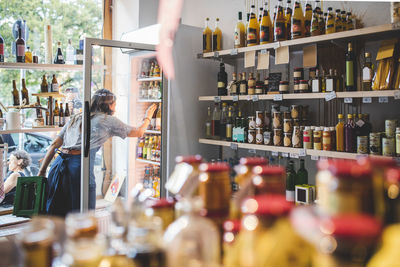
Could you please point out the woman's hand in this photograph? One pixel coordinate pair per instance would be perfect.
(150, 111)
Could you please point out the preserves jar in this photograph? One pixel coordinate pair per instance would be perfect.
(259, 136)
(362, 144)
(269, 180)
(317, 136)
(251, 136)
(245, 168)
(295, 111)
(277, 120)
(283, 87)
(252, 122)
(267, 120)
(375, 147)
(304, 86)
(259, 89)
(278, 137)
(287, 115)
(388, 146)
(164, 209)
(326, 140)
(298, 74)
(398, 142)
(189, 187)
(287, 139)
(296, 86)
(344, 186)
(308, 138)
(268, 138)
(259, 119)
(297, 138)
(388, 254)
(231, 230)
(296, 122)
(390, 127)
(287, 126)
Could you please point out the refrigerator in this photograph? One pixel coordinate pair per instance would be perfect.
(182, 115)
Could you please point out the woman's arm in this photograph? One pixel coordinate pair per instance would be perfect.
(49, 155)
(138, 132)
(11, 182)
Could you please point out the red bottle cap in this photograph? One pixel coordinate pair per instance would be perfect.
(377, 161)
(269, 170)
(189, 159)
(267, 205)
(232, 226)
(160, 203)
(214, 167)
(253, 161)
(392, 175)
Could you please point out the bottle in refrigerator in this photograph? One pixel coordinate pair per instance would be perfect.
(280, 24)
(145, 145)
(217, 37)
(59, 58)
(207, 33)
(266, 27)
(252, 28)
(156, 70)
(70, 53)
(158, 118)
(240, 33)
(24, 93)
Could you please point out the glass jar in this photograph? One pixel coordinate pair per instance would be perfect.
(344, 186)
(277, 120)
(287, 139)
(362, 144)
(388, 146)
(297, 138)
(286, 115)
(317, 136)
(392, 196)
(259, 136)
(268, 138)
(398, 142)
(375, 147)
(189, 187)
(295, 111)
(298, 74)
(192, 239)
(252, 122)
(308, 138)
(259, 119)
(162, 208)
(267, 120)
(278, 137)
(231, 230)
(251, 136)
(283, 87)
(326, 140)
(304, 86)
(388, 254)
(296, 86)
(287, 126)
(269, 180)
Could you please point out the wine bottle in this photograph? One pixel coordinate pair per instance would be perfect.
(44, 86)
(67, 114)
(222, 80)
(24, 93)
(1, 49)
(20, 47)
(62, 122)
(15, 94)
(56, 115)
(38, 110)
(54, 84)
(350, 67)
(59, 59)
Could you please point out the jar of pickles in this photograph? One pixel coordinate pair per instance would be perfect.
(287, 139)
(287, 126)
(278, 137)
(283, 87)
(297, 138)
(277, 120)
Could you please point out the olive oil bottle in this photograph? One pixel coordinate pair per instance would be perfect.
(288, 18)
(315, 31)
(297, 21)
(253, 28)
(307, 19)
(350, 69)
(330, 22)
(266, 27)
(350, 25)
(338, 21)
(217, 37)
(280, 23)
(240, 33)
(207, 37)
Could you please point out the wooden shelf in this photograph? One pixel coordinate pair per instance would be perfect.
(150, 79)
(357, 94)
(288, 150)
(31, 66)
(149, 100)
(32, 130)
(369, 32)
(149, 162)
(152, 132)
(49, 94)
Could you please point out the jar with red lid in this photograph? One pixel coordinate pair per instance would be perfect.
(231, 230)
(269, 180)
(392, 196)
(162, 208)
(347, 240)
(190, 186)
(344, 186)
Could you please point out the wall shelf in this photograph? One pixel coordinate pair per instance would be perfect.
(149, 101)
(295, 152)
(32, 66)
(357, 94)
(368, 32)
(50, 94)
(150, 79)
(32, 130)
(149, 162)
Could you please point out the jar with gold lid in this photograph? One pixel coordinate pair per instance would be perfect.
(278, 137)
(162, 208)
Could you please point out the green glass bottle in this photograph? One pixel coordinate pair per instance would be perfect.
(290, 181)
(302, 174)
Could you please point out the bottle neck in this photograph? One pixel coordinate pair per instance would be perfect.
(19, 33)
(216, 24)
(206, 24)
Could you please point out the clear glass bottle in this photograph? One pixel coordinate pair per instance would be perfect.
(70, 54)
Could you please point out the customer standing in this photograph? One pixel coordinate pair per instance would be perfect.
(65, 173)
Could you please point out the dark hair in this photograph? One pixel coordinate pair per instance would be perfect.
(26, 158)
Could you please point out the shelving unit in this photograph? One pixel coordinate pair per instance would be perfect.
(152, 132)
(151, 79)
(382, 31)
(32, 66)
(149, 162)
(49, 94)
(292, 152)
(149, 100)
(32, 130)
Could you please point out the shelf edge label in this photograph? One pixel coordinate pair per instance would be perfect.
(278, 97)
(263, 51)
(234, 52)
(294, 155)
(234, 146)
(252, 151)
(302, 153)
(274, 154)
(285, 155)
(314, 157)
(367, 100)
(216, 54)
(254, 98)
(396, 94)
(383, 99)
(217, 99)
(330, 96)
(235, 98)
(348, 100)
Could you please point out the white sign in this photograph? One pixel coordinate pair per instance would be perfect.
(217, 99)
(294, 155)
(234, 52)
(383, 99)
(302, 153)
(278, 97)
(252, 151)
(285, 155)
(367, 100)
(274, 154)
(255, 98)
(397, 94)
(234, 146)
(235, 98)
(313, 157)
(330, 96)
(348, 100)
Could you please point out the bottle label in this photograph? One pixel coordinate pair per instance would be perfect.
(242, 88)
(204, 41)
(280, 30)
(215, 42)
(228, 130)
(289, 196)
(296, 28)
(60, 57)
(349, 73)
(307, 24)
(54, 87)
(1, 49)
(251, 36)
(20, 50)
(264, 34)
(56, 120)
(330, 25)
(251, 91)
(221, 85)
(236, 37)
(79, 57)
(233, 89)
(367, 74)
(208, 129)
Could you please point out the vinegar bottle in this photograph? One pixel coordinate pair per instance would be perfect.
(217, 37)
(252, 28)
(207, 37)
(240, 33)
(297, 22)
(266, 27)
(280, 23)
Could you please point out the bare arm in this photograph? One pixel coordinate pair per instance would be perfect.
(11, 182)
(138, 132)
(49, 155)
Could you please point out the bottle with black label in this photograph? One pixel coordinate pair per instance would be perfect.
(59, 59)
(54, 84)
(20, 47)
(25, 93)
(350, 69)
(15, 94)
(207, 33)
(222, 80)
(280, 24)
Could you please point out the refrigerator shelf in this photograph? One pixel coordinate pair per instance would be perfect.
(149, 162)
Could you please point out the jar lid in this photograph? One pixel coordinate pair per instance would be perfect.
(267, 205)
(251, 117)
(189, 159)
(232, 226)
(160, 203)
(214, 167)
(354, 226)
(295, 106)
(296, 81)
(269, 170)
(253, 161)
(307, 128)
(283, 82)
(377, 161)
(348, 169)
(392, 175)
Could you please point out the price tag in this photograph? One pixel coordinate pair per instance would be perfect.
(285, 155)
(216, 54)
(248, 97)
(217, 99)
(348, 100)
(252, 151)
(254, 98)
(397, 94)
(330, 96)
(383, 99)
(367, 100)
(294, 155)
(313, 157)
(234, 52)
(302, 152)
(263, 51)
(277, 45)
(274, 154)
(235, 98)
(234, 146)
(278, 97)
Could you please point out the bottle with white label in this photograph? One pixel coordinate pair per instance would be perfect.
(59, 58)
(367, 73)
(290, 180)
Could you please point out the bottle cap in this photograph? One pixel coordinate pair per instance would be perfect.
(349, 169)
(253, 161)
(269, 170)
(349, 116)
(337, 10)
(340, 116)
(214, 167)
(267, 205)
(189, 159)
(232, 226)
(367, 54)
(160, 203)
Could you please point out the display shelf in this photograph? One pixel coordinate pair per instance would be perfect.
(150, 79)
(152, 132)
(149, 162)
(357, 94)
(49, 94)
(289, 150)
(149, 100)
(33, 66)
(32, 130)
(368, 32)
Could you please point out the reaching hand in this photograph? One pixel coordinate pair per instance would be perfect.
(150, 111)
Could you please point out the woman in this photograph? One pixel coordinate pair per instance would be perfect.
(65, 173)
(18, 161)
